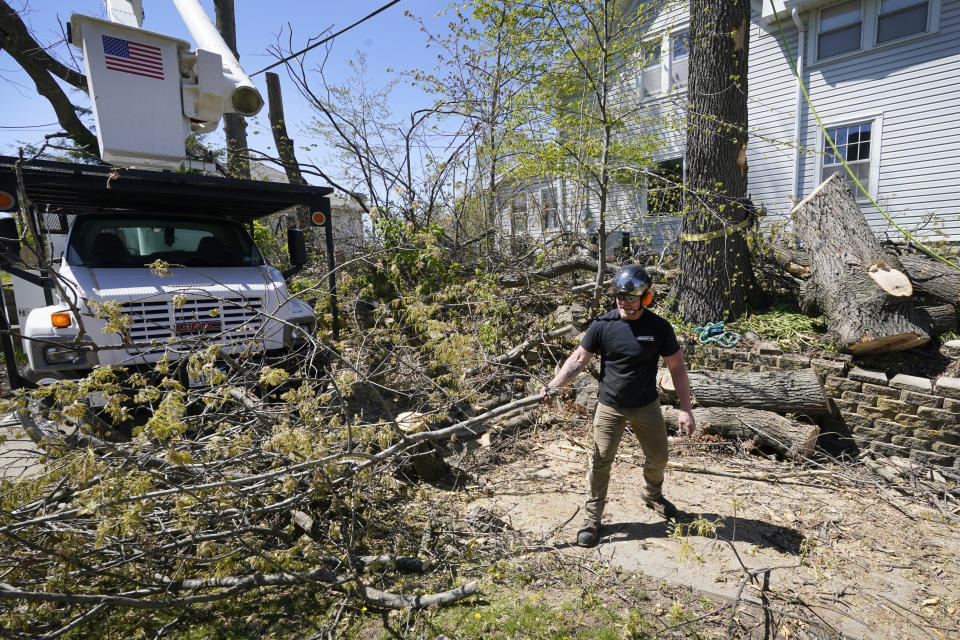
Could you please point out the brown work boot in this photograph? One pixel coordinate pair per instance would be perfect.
(589, 535)
(662, 506)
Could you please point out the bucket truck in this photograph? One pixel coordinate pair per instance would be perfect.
(138, 261)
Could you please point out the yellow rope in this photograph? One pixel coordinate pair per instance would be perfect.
(710, 235)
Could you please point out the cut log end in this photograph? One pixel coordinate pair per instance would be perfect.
(894, 282)
(900, 342)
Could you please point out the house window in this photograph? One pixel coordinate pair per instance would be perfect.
(840, 29)
(548, 204)
(679, 57)
(665, 189)
(901, 18)
(853, 145)
(650, 74)
(518, 214)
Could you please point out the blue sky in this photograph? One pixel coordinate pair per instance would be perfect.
(389, 40)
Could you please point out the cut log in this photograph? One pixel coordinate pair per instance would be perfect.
(797, 391)
(941, 318)
(768, 430)
(863, 316)
(931, 277)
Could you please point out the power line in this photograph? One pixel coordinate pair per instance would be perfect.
(327, 39)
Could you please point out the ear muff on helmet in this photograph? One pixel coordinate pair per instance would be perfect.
(647, 298)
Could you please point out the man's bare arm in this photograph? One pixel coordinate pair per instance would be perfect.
(681, 382)
(575, 364)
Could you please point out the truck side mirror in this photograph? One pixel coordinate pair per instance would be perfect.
(297, 247)
(9, 241)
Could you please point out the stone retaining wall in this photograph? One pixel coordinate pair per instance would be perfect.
(908, 416)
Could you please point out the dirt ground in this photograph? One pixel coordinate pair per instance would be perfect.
(842, 548)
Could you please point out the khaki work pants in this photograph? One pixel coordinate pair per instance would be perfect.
(647, 424)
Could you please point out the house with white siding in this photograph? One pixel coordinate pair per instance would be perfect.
(880, 77)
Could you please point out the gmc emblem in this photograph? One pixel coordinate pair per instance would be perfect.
(198, 326)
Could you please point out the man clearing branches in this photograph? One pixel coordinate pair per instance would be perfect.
(630, 341)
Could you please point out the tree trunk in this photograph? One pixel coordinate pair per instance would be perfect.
(846, 262)
(716, 273)
(942, 318)
(234, 126)
(784, 391)
(931, 277)
(787, 437)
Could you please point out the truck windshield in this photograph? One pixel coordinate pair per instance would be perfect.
(116, 241)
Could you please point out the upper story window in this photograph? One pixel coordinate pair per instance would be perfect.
(841, 29)
(859, 25)
(853, 144)
(650, 74)
(679, 57)
(901, 18)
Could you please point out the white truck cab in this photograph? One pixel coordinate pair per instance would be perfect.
(144, 265)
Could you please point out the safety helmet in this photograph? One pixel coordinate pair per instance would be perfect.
(633, 281)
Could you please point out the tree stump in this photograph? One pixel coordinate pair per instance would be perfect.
(855, 283)
(783, 391)
(787, 437)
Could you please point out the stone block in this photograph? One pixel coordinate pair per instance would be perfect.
(890, 450)
(847, 406)
(952, 405)
(865, 375)
(860, 398)
(910, 420)
(930, 435)
(929, 457)
(947, 387)
(921, 399)
(892, 428)
(878, 390)
(893, 407)
(794, 361)
(952, 348)
(911, 443)
(936, 415)
(871, 411)
(946, 448)
(835, 385)
(839, 357)
(855, 420)
(911, 383)
(745, 366)
(862, 435)
(826, 367)
(765, 361)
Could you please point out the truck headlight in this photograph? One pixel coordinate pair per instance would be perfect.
(62, 355)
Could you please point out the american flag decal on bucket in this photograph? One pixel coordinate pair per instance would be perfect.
(128, 56)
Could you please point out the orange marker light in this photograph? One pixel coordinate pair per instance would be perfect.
(6, 201)
(60, 320)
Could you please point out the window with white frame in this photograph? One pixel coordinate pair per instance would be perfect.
(901, 18)
(548, 207)
(518, 214)
(853, 145)
(840, 30)
(650, 73)
(679, 57)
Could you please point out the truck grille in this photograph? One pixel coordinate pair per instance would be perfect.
(155, 324)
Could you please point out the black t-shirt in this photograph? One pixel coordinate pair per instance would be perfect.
(629, 353)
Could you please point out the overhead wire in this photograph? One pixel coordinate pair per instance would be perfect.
(327, 39)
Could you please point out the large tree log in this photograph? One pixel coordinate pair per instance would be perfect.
(787, 437)
(784, 391)
(932, 277)
(853, 281)
(942, 318)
